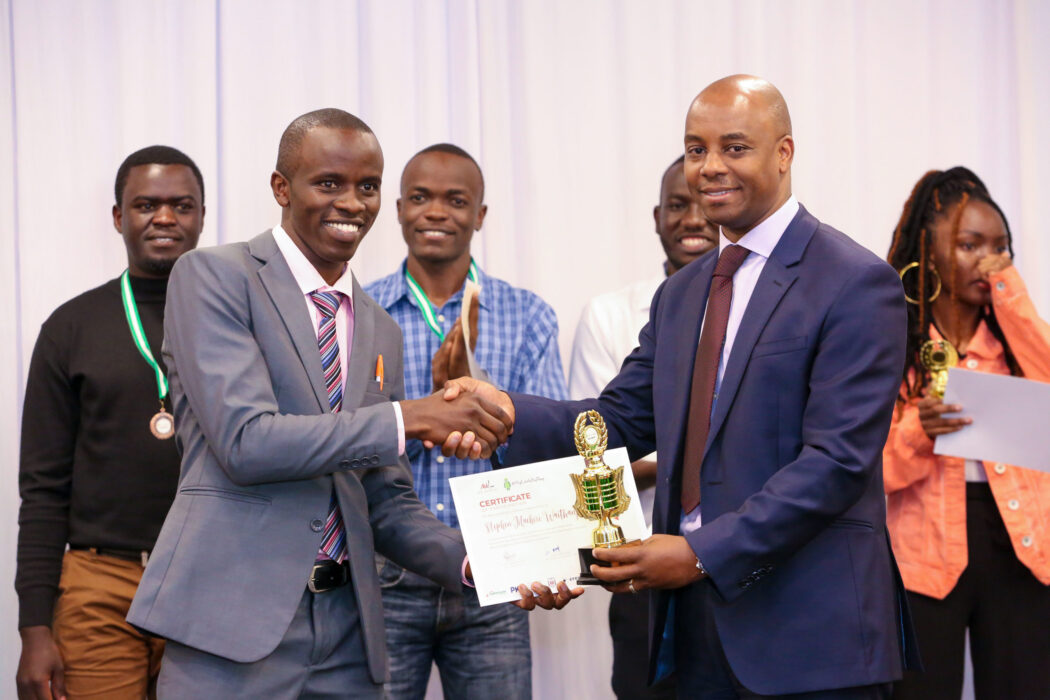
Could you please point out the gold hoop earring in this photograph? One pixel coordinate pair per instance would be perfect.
(915, 265)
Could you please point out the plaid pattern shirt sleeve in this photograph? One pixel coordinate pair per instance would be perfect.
(517, 346)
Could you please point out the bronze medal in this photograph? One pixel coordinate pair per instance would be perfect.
(162, 425)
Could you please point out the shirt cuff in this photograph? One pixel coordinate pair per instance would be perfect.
(463, 573)
(400, 428)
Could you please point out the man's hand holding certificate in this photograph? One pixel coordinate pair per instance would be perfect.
(543, 523)
(519, 524)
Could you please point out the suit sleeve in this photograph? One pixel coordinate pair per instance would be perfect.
(852, 390)
(543, 428)
(217, 361)
(404, 529)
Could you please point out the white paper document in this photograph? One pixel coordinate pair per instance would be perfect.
(1010, 419)
(519, 524)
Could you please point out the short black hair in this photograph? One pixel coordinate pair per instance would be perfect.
(451, 149)
(154, 155)
(677, 161)
(294, 133)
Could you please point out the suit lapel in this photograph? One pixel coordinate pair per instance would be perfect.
(362, 358)
(277, 278)
(772, 284)
(687, 321)
(778, 274)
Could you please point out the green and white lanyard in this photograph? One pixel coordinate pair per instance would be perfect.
(162, 424)
(425, 307)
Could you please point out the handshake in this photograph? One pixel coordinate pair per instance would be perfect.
(468, 418)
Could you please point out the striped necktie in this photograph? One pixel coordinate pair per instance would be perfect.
(333, 543)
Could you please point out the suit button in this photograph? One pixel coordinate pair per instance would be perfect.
(374, 460)
(1026, 541)
(1000, 468)
(1000, 286)
(345, 464)
(316, 524)
(971, 363)
(1013, 504)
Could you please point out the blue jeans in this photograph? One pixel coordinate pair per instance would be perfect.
(481, 653)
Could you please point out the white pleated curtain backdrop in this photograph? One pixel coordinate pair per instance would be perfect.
(573, 110)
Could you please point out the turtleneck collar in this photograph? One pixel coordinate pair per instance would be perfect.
(147, 289)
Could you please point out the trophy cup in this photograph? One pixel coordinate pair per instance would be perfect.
(937, 356)
(599, 492)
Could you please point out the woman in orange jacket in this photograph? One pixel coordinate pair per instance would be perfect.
(972, 538)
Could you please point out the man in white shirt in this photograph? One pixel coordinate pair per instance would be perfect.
(607, 333)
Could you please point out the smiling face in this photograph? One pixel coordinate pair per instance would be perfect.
(684, 231)
(160, 217)
(440, 207)
(738, 153)
(332, 197)
(982, 232)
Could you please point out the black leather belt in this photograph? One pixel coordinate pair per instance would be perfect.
(139, 555)
(327, 575)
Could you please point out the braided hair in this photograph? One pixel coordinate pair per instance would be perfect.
(934, 196)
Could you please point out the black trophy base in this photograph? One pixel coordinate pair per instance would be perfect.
(587, 558)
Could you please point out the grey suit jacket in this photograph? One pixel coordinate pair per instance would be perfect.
(260, 455)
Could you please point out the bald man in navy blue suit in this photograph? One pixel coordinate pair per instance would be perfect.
(770, 560)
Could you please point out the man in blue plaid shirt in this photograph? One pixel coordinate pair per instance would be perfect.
(480, 652)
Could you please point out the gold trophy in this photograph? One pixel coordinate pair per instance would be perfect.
(938, 356)
(599, 492)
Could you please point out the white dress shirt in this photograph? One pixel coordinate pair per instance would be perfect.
(761, 240)
(309, 280)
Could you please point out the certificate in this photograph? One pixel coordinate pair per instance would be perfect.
(519, 524)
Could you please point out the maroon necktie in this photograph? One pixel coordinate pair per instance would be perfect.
(705, 371)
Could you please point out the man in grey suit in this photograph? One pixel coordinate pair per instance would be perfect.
(293, 467)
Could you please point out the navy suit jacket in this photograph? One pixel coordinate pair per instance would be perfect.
(794, 534)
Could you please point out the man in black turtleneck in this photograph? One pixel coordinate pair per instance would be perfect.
(98, 468)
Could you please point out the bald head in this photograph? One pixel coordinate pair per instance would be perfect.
(738, 152)
(758, 93)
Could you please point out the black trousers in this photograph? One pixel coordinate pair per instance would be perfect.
(1006, 609)
(629, 626)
